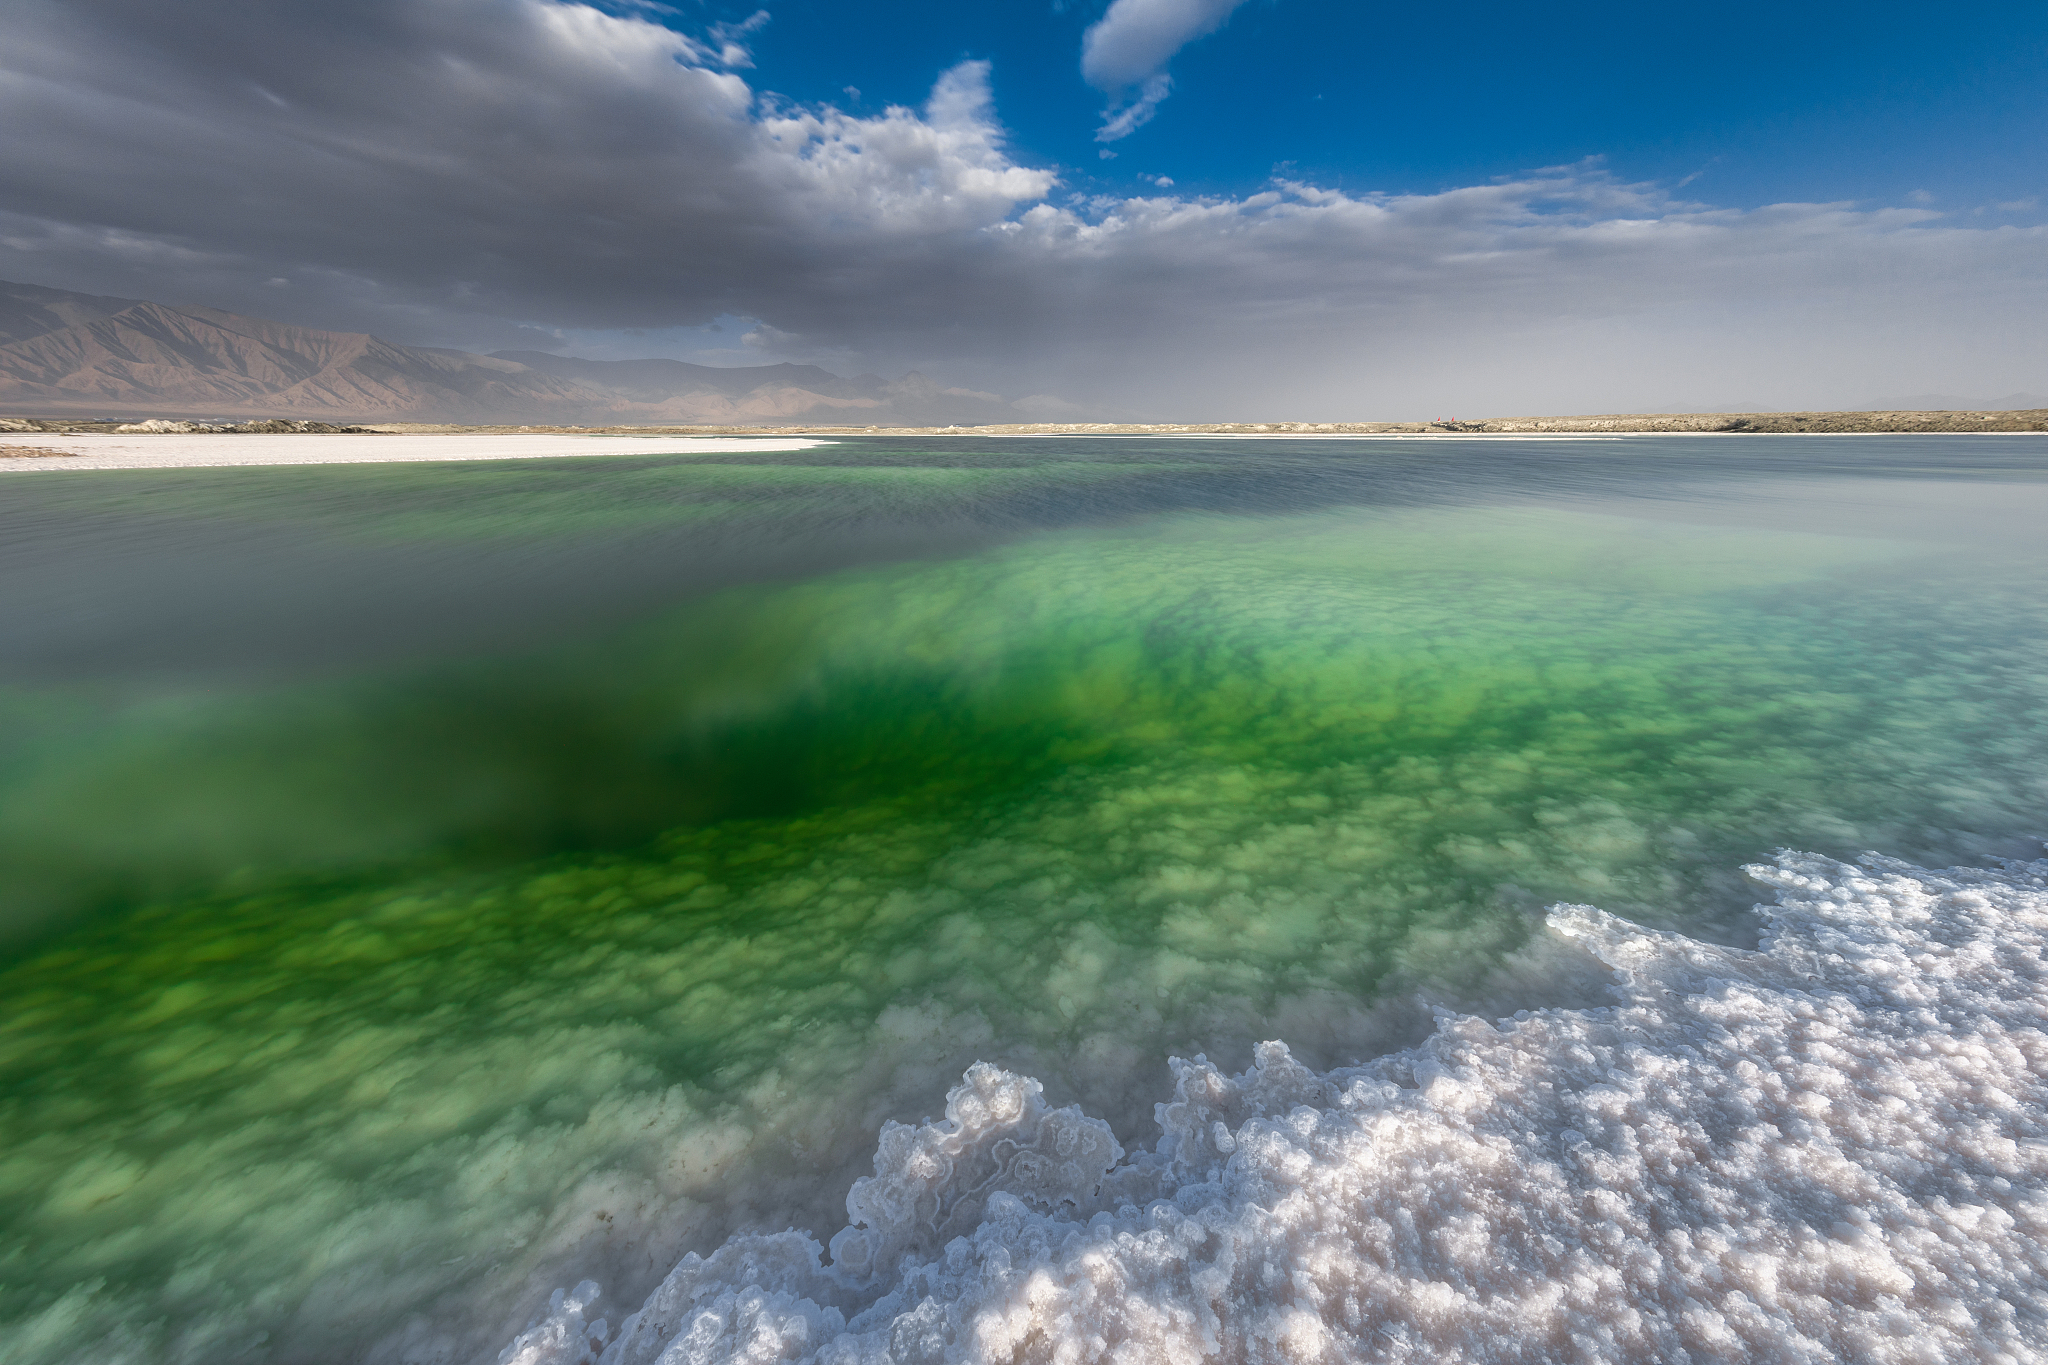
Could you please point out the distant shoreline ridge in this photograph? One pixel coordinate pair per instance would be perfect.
(1731, 423)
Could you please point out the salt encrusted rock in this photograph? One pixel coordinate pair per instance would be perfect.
(933, 1182)
(1832, 1149)
(562, 1335)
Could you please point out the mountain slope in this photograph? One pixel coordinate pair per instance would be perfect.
(170, 360)
(30, 310)
(64, 354)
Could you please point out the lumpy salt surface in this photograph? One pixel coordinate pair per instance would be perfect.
(1832, 1149)
(424, 889)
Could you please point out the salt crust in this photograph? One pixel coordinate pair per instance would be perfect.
(200, 451)
(1835, 1148)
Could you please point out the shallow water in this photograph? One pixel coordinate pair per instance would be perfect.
(429, 886)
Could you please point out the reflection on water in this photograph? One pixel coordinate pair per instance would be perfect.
(433, 884)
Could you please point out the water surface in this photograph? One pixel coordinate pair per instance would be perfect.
(428, 885)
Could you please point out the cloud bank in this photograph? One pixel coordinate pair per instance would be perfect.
(476, 172)
(1126, 51)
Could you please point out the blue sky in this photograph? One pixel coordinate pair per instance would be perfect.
(1748, 103)
(1213, 209)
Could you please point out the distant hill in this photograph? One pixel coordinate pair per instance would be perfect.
(148, 357)
(70, 354)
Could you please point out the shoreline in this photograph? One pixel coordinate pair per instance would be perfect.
(56, 445)
(32, 428)
(148, 450)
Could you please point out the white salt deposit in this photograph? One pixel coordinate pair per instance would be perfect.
(156, 450)
(1832, 1149)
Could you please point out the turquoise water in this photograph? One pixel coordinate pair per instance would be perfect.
(429, 885)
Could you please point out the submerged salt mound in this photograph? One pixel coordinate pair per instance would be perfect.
(1831, 1149)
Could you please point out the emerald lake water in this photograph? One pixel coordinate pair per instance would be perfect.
(426, 886)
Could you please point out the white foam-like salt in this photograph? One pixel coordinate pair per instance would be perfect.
(1835, 1148)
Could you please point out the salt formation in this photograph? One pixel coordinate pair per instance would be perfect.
(274, 426)
(1831, 1149)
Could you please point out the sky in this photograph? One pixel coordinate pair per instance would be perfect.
(1168, 209)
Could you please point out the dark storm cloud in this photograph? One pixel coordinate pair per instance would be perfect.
(494, 157)
(461, 171)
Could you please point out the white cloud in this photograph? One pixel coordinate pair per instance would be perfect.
(462, 172)
(732, 49)
(1120, 122)
(766, 338)
(1126, 51)
(1136, 38)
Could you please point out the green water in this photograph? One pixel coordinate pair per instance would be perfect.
(517, 874)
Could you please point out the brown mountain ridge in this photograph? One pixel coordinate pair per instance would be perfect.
(70, 354)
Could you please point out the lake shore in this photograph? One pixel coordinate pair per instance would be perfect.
(66, 450)
(1690, 423)
(54, 444)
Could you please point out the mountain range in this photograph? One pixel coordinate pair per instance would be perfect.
(66, 354)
